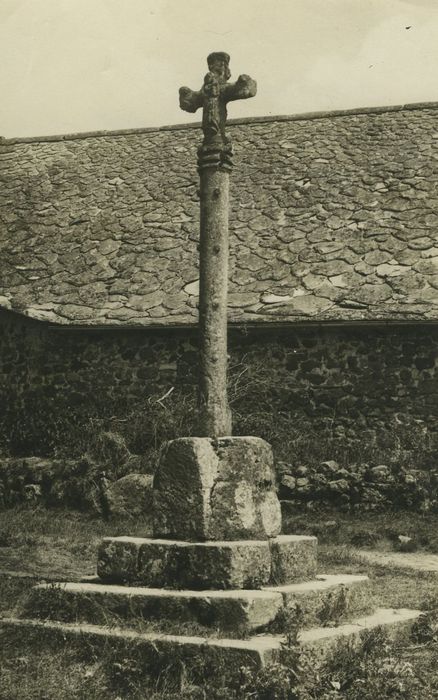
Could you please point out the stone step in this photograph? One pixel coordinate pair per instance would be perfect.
(327, 599)
(395, 621)
(157, 652)
(207, 565)
(213, 655)
(234, 610)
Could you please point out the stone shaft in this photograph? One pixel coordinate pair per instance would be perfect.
(215, 415)
(214, 161)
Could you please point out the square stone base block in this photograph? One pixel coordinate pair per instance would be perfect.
(222, 489)
(207, 565)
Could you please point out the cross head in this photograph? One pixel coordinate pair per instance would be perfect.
(213, 97)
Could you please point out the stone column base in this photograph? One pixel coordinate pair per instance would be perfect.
(216, 489)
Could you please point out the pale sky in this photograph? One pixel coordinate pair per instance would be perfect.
(82, 65)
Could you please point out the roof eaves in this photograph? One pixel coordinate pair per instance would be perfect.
(304, 116)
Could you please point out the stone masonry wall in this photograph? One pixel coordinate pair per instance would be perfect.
(314, 392)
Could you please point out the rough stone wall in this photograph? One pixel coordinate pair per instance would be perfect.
(51, 382)
(310, 391)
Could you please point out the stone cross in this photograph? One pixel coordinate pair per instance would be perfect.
(214, 166)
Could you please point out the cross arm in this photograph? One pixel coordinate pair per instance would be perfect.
(243, 88)
(190, 100)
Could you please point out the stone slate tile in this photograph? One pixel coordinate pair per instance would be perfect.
(349, 197)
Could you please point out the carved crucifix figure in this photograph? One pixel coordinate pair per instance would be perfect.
(214, 164)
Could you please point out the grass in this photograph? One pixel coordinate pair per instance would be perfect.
(63, 543)
(65, 674)
(378, 530)
(376, 668)
(391, 588)
(74, 672)
(60, 545)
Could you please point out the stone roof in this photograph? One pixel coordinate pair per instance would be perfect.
(334, 217)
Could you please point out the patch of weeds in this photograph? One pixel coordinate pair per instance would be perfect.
(36, 668)
(51, 603)
(279, 680)
(374, 668)
(125, 674)
(61, 541)
(288, 621)
(7, 537)
(275, 681)
(10, 537)
(364, 538)
(401, 589)
(330, 558)
(147, 669)
(334, 607)
(12, 591)
(425, 629)
(429, 540)
(379, 530)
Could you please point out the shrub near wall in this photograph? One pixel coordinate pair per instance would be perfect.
(58, 386)
(364, 396)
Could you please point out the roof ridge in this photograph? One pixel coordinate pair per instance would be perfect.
(303, 116)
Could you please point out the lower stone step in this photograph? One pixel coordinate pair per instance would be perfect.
(395, 621)
(213, 565)
(211, 654)
(327, 599)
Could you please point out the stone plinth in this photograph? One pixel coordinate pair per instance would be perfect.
(207, 565)
(216, 489)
